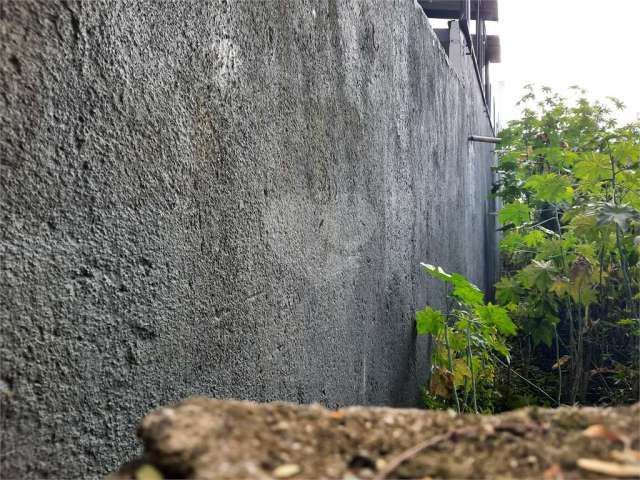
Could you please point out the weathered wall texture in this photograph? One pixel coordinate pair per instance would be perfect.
(221, 198)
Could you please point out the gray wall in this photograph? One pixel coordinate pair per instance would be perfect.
(221, 198)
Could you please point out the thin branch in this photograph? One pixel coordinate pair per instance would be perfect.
(413, 451)
(528, 381)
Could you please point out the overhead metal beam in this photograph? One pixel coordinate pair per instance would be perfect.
(453, 9)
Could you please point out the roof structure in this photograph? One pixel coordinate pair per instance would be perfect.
(453, 9)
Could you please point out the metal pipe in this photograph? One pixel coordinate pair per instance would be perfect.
(467, 35)
(480, 138)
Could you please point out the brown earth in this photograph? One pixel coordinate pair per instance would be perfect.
(214, 439)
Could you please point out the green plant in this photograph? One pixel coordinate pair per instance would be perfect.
(467, 337)
(568, 177)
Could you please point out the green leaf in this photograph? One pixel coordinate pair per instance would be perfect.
(587, 250)
(497, 316)
(465, 291)
(516, 213)
(538, 274)
(436, 272)
(550, 187)
(621, 215)
(512, 242)
(534, 238)
(584, 295)
(584, 225)
(625, 322)
(594, 166)
(430, 321)
(499, 346)
(508, 290)
(460, 371)
(560, 287)
(543, 332)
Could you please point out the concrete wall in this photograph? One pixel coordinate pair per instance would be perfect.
(221, 198)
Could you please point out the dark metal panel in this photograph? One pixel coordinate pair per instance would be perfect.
(493, 49)
(443, 36)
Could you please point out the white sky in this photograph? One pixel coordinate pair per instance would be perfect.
(591, 43)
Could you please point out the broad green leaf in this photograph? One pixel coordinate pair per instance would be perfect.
(587, 250)
(538, 274)
(501, 348)
(465, 291)
(594, 166)
(430, 321)
(509, 161)
(584, 296)
(512, 242)
(457, 341)
(585, 226)
(630, 179)
(625, 152)
(534, 238)
(551, 250)
(550, 187)
(633, 199)
(543, 332)
(560, 287)
(460, 371)
(497, 316)
(610, 214)
(436, 272)
(508, 290)
(516, 213)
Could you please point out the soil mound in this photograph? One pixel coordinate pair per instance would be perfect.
(215, 439)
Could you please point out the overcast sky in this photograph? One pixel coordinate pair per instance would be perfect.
(591, 43)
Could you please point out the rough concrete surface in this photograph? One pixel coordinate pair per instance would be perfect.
(221, 198)
(230, 440)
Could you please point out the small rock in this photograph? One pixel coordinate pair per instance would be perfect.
(380, 464)
(287, 470)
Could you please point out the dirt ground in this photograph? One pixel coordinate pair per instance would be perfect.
(214, 439)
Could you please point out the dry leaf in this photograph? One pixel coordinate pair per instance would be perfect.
(441, 382)
(609, 468)
(561, 361)
(626, 456)
(600, 431)
(554, 472)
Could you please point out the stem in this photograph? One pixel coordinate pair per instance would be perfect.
(555, 328)
(625, 271)
(470, 358)
(466, 395)
(446, 342)
(579, 360)
(574, 349)
(623, 259)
